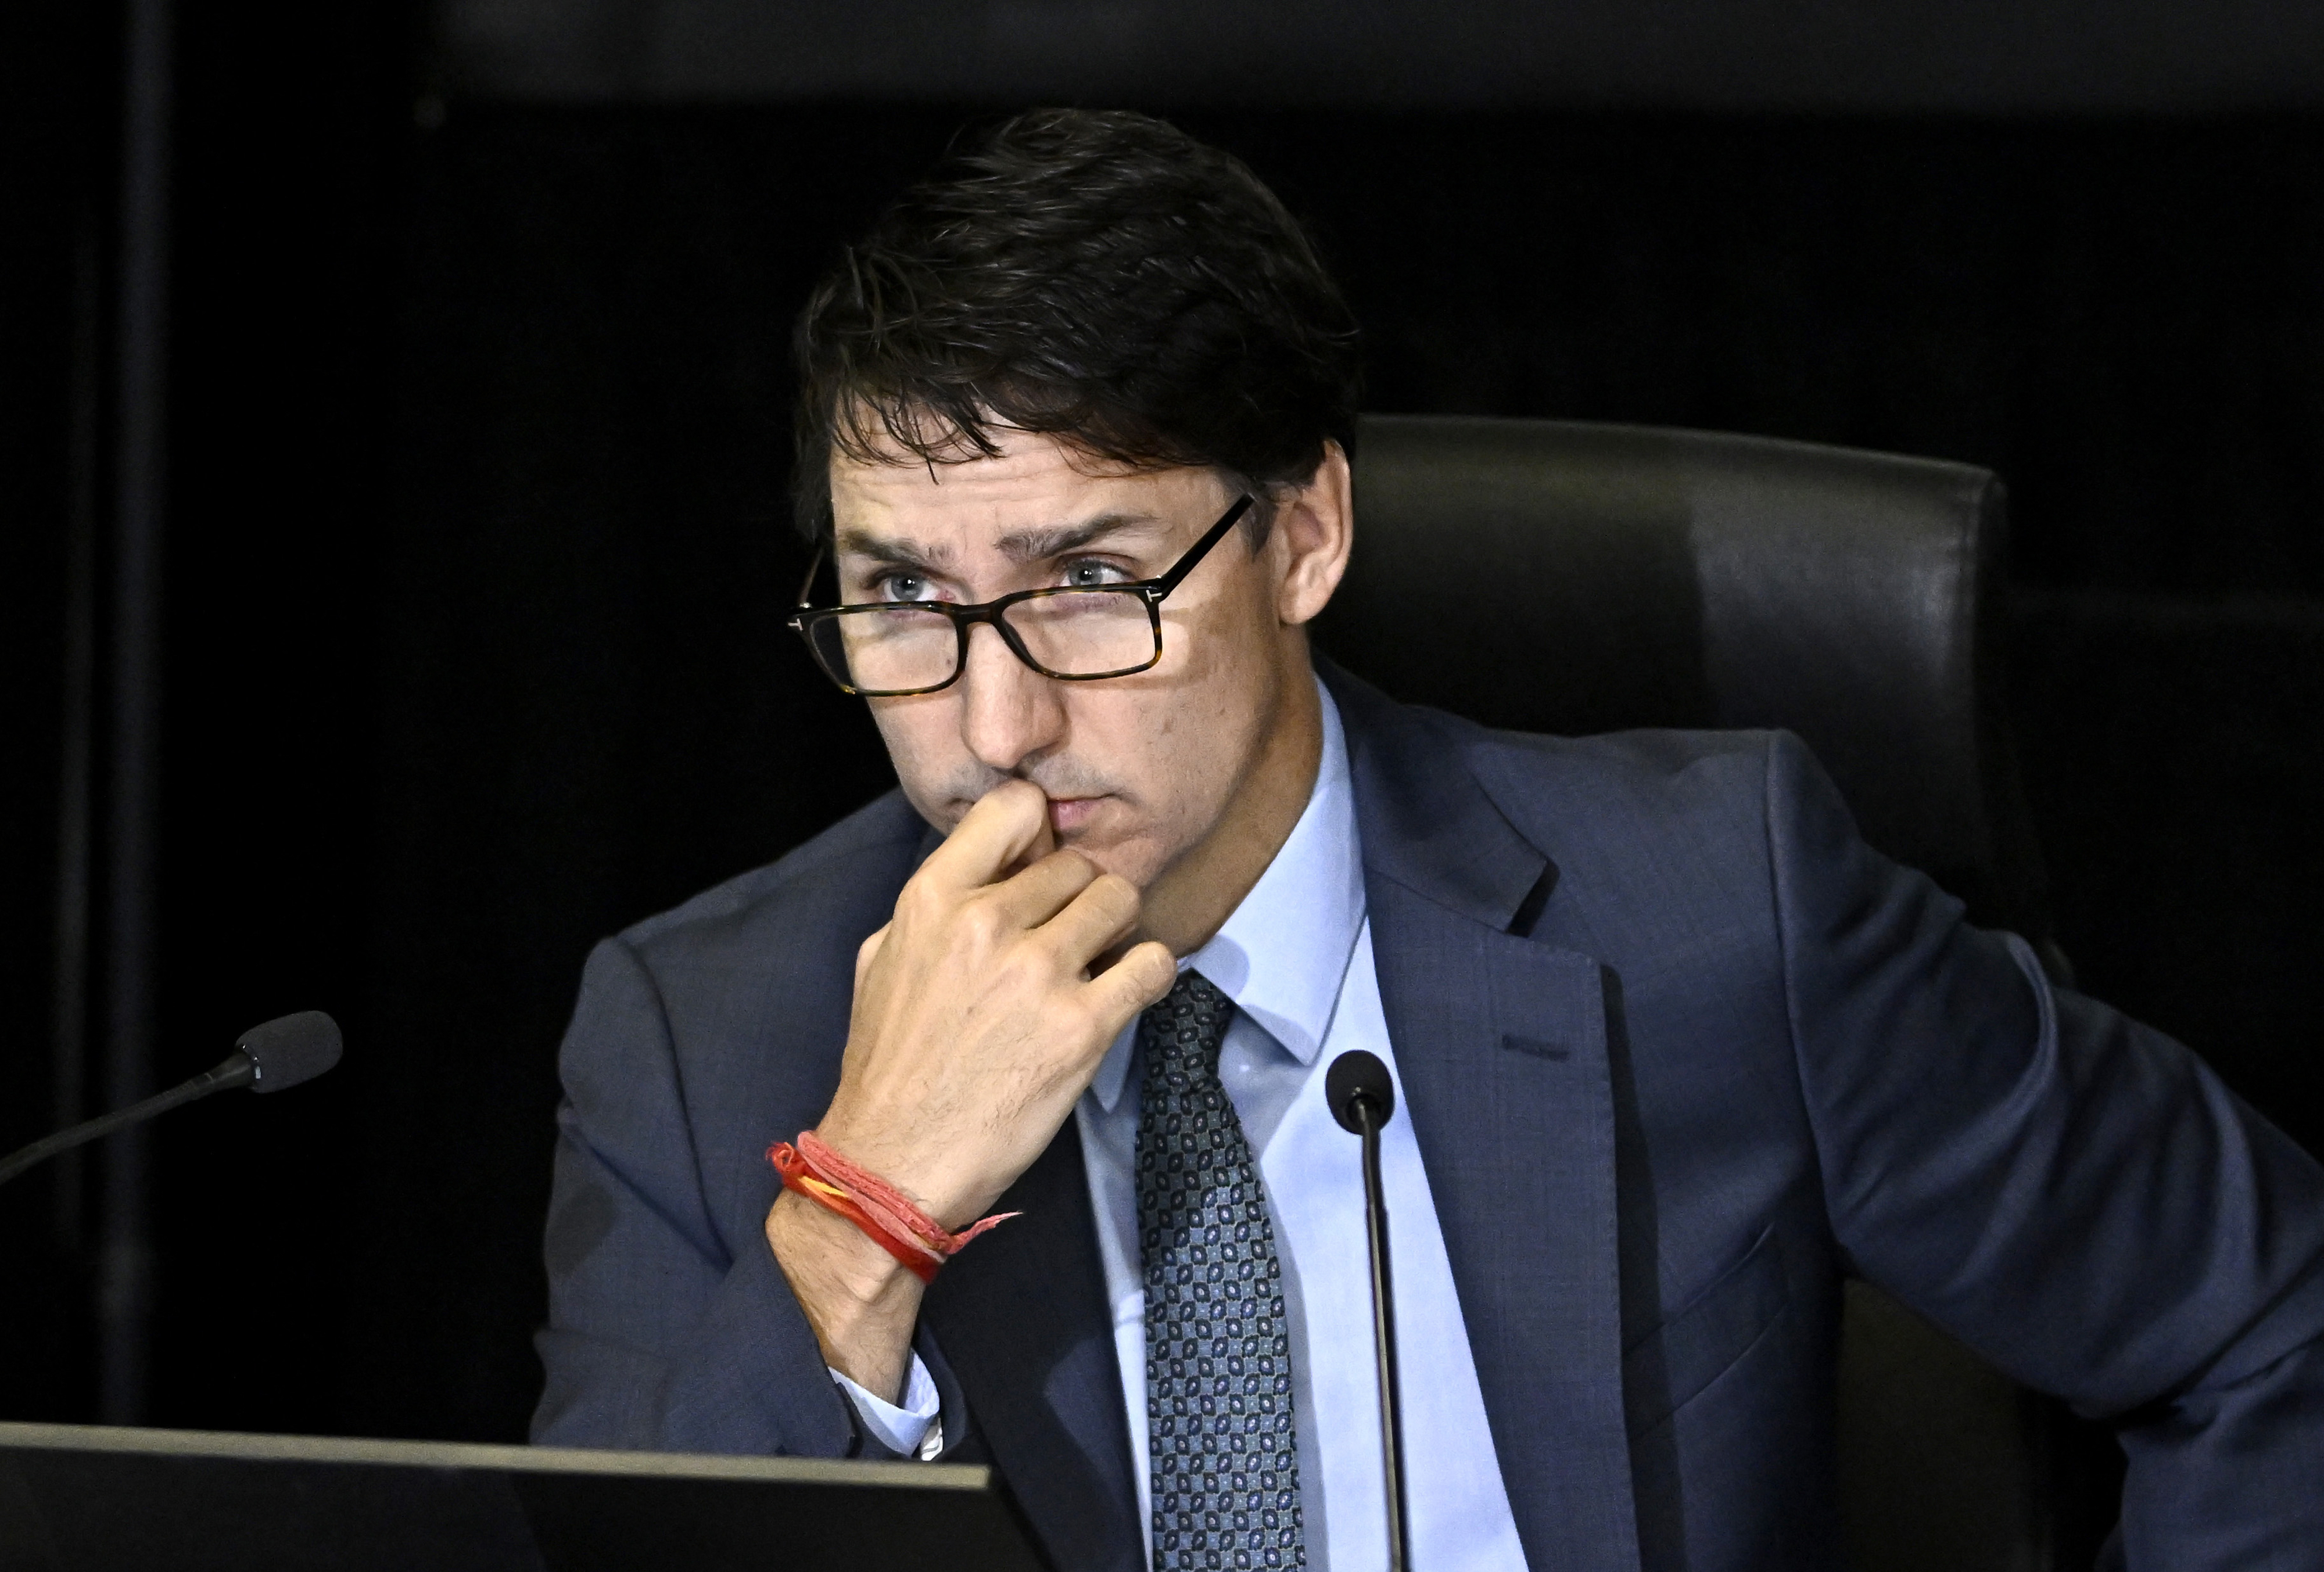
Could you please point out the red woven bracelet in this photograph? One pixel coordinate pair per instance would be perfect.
(885, 1213)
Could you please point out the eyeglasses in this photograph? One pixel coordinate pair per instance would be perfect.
(887, 649)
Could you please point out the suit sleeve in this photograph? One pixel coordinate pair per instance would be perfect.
(662, 1335)
(2074, 1195)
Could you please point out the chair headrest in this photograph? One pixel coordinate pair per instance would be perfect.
(1567, 577)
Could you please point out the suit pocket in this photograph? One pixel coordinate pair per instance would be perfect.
(1697, 1344)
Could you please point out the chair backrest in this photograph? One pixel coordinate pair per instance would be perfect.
(1560, 576)
(1557, 576)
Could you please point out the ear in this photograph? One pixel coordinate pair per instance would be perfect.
(1314, 528)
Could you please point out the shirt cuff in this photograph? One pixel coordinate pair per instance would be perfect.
(900, 1429)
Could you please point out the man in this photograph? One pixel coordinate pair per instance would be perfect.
(1673, 1051)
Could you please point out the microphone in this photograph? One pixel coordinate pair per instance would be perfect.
(273, 1057)
(1362, 1096)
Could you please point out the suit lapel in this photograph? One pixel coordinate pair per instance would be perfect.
(1502, 1045)
(1021, 1318)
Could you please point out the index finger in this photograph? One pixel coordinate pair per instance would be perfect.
(1009, 824)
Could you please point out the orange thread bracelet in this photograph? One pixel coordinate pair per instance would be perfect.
(886, 1214)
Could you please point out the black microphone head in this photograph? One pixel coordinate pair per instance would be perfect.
(1354, 1075)
(291, 1049)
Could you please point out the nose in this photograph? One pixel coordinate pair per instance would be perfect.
(1009, 712)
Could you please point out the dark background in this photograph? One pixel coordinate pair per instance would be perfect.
(475, 556)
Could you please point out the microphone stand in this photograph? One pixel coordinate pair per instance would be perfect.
(283, 1052)
(1362, 1095)
(1368, 1121)
(239, 1070)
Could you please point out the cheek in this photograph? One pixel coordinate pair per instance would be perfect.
(924, 746)
(1181, 757)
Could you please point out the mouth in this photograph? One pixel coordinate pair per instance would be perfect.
(1067, 815)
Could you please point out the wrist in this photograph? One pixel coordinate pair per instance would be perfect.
(836, 1257)
(860, 1303)
(905, 1164)
(931, 1176)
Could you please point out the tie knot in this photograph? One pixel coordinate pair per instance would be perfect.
(1189, 1024)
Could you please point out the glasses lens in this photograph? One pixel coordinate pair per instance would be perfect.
(1087, 632)
(887, 650)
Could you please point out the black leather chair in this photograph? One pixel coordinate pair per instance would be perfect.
(1565, 577)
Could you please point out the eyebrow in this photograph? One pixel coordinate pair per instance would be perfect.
(1040, 545)
(1019, 546)
(894, 553)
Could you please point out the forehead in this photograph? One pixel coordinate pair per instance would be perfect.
(1035, 481)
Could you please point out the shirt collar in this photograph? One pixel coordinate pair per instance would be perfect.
(1281, 954)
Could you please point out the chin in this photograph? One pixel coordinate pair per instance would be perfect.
(1132, 856)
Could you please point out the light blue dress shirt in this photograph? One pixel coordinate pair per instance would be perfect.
(1297, 959)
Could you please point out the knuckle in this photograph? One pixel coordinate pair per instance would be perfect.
(981, 920)
(1081, 1016)
(1023, 966)
(919, 900)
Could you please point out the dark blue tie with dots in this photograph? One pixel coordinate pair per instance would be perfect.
(1225, 1463)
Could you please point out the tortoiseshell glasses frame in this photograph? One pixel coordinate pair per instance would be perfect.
(831, 630)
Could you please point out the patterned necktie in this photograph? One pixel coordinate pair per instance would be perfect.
(1225, 1465)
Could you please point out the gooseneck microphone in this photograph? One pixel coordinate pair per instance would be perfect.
(1362, 1096)
(273, 1057)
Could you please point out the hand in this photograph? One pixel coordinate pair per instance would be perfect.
(978, 1021)
(982, 1011)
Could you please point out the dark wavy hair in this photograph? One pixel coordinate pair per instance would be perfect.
(1097, 276)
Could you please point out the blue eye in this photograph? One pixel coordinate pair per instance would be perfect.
(1091, 575)
(902, 586)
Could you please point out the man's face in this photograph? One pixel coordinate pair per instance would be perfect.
(1140, 770)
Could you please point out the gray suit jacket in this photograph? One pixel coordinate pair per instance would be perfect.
(1680, 1052)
